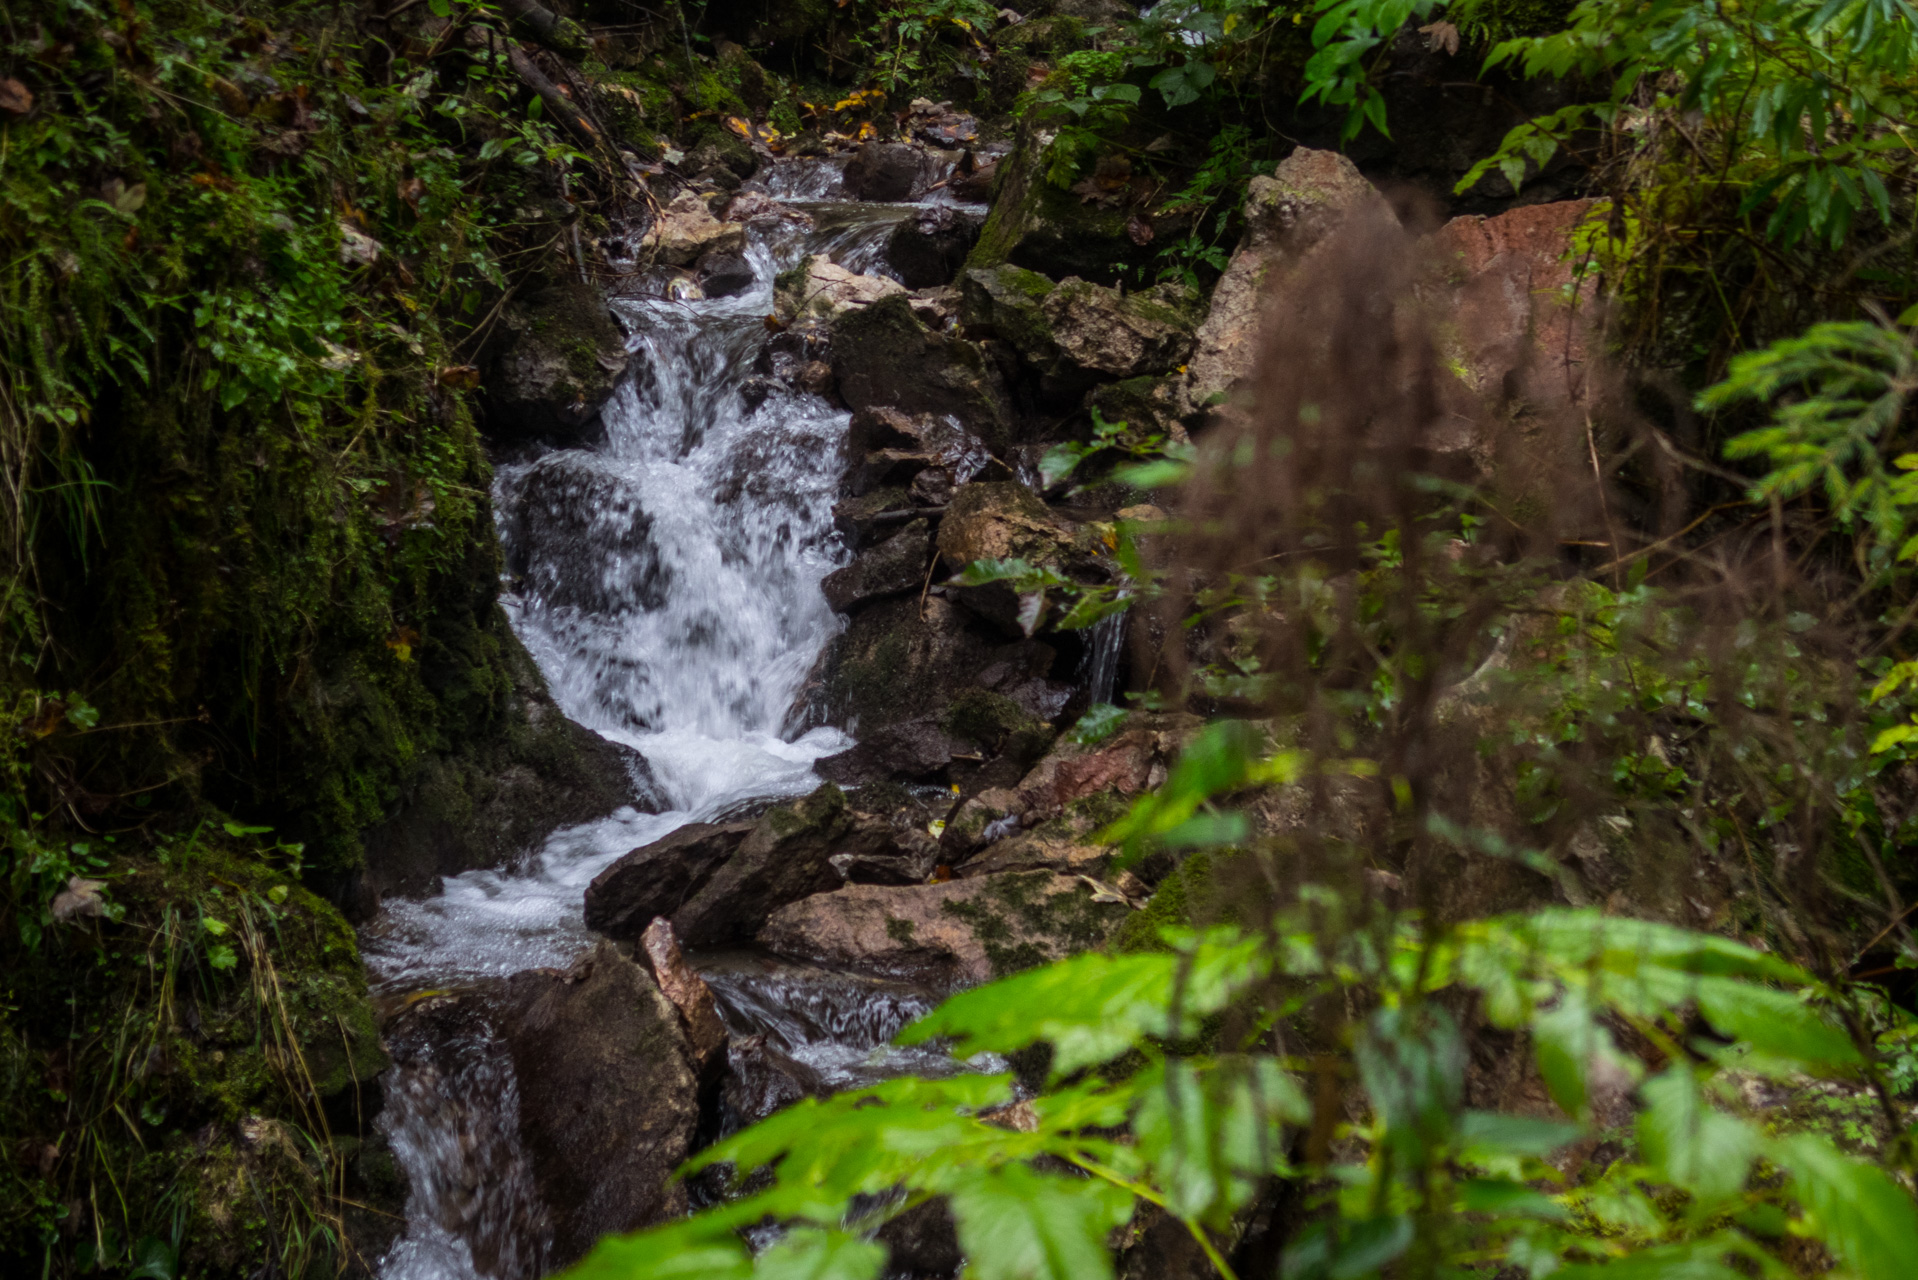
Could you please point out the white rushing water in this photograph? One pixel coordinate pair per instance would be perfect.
(668, 587)
(667, 582)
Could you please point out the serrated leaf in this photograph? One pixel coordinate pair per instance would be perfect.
(811, 1254)
(701, 1248)
(1213, 1133)
(1861, 1214)
(1015, 1224)
(1774, 1022)
(1691, 1143)
(1093, 1007)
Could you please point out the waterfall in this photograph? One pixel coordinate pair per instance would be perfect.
(666, 581)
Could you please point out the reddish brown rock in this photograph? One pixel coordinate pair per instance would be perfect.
(950, 935)
(1521, 313)
(679, 983)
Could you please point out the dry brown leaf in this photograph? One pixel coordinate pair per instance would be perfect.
(15, 98)
(1440, 35)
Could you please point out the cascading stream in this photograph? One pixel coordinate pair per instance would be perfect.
(667, 583)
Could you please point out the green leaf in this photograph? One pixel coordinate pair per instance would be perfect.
(699, 1248)
(1485, 1133)
(1863, 1216)
(811, 1254)
(1774, 1022)
(1015, 1224)
(1691, 1143)
(1100, 722)
(1093, 1007)
(1692, 1260)
(1212, 1133)
(1503, 1197)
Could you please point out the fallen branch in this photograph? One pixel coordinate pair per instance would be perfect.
(557, 103)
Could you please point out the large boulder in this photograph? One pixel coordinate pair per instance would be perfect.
(553, 365)
(1286, 216)
(822, 288)
(494, 802)
(950, 935)
(1004, 520)
(888, 172)
(785, 857)
(1520, 314)
(1102, 331)
(885, 448)
(901, 660)
(608, 1097)
(883, 355)
(1076, 333)
(895, 566)
(657, 879)
(1044, 227)
(1000, 521)
(927, 249)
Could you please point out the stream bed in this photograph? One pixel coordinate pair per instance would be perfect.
(667, 582)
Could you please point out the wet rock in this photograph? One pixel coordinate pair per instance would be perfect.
(867, 517)
(552, 367)
(722, 274)
(1000, 521)
(686, 230)
(493, 803)
(937, 124)
(972, 180)
(886, 447)
(657, 879)
(761, 1079)
(913, 749)
(895, 566)
(822, 288)
(900, 661)
(801, 346)
(922, 1241)
(608, 1095)
(1286, 216)
(576, 537)
(784, 858)
(887, 172)
(911, 861)
(1042, 227)
(948, 935)
(927, 249)
(689, 994)
(884, 355)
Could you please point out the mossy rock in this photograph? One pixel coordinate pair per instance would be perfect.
(1043, 227)
(556, 361)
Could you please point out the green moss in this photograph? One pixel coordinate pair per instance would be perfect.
(986, 718)
(899, 930)
(1171, 906)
